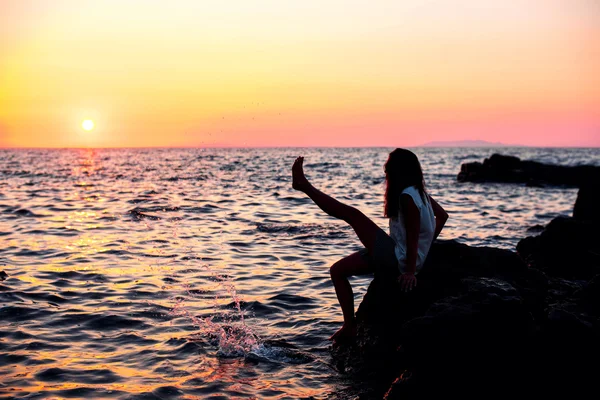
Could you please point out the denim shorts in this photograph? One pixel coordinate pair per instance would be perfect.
(382, 260)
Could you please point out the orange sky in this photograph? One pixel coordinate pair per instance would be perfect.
(299, 73)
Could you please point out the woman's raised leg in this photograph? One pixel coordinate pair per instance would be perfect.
(365, 229)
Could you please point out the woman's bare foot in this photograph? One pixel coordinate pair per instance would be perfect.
(345, 333)
(299, 181)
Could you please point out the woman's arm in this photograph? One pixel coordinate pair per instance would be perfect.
(412, 219)
(441, 216)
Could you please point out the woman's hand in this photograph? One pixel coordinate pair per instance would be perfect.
(407, 281)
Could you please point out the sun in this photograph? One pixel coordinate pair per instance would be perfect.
(87, 124)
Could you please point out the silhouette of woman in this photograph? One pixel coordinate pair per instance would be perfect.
(415, 220)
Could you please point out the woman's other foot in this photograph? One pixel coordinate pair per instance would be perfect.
(346, 333)
(299, 181)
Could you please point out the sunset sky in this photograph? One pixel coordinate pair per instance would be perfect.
(298, 73)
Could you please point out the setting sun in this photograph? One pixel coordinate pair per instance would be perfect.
(87, 124)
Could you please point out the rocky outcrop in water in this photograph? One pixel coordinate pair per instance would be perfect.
(587, 205)
(568, 248)
(509, 169)
(484, 318)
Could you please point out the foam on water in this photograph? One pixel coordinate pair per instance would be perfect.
(230, 333)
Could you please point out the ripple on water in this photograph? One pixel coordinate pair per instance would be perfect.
(22, 212)
(113, 322)
(22, 313)
(96, 376)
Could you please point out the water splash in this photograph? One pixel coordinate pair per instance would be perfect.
(228, 331)
(275, 353)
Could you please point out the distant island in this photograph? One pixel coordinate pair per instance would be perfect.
(467, 143)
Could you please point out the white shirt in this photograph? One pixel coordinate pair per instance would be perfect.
(398, 229)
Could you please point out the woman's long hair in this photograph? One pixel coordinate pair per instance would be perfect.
(402, 170)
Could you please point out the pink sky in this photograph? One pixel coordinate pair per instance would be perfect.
(310, 73)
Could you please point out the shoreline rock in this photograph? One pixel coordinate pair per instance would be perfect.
(479, 317)
(587, 205)
(508, 169)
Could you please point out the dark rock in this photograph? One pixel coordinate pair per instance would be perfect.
(3, 275)
(564, 323)
(568, 248)
(533, 286)
(569, 337)
(591, 294)
(478, 318)
(587, 205)
(452, 260)
(536, 228)
(452, 270)
(486, 309)
(475, 335)
(508, 169)
(559, 288)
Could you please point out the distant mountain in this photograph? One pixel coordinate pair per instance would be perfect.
(467, 143)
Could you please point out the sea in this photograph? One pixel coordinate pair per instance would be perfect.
(200, 273)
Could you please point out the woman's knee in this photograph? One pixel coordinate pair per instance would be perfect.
(354, 264)
(337, 270)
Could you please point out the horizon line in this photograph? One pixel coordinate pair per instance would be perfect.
(424, 146)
